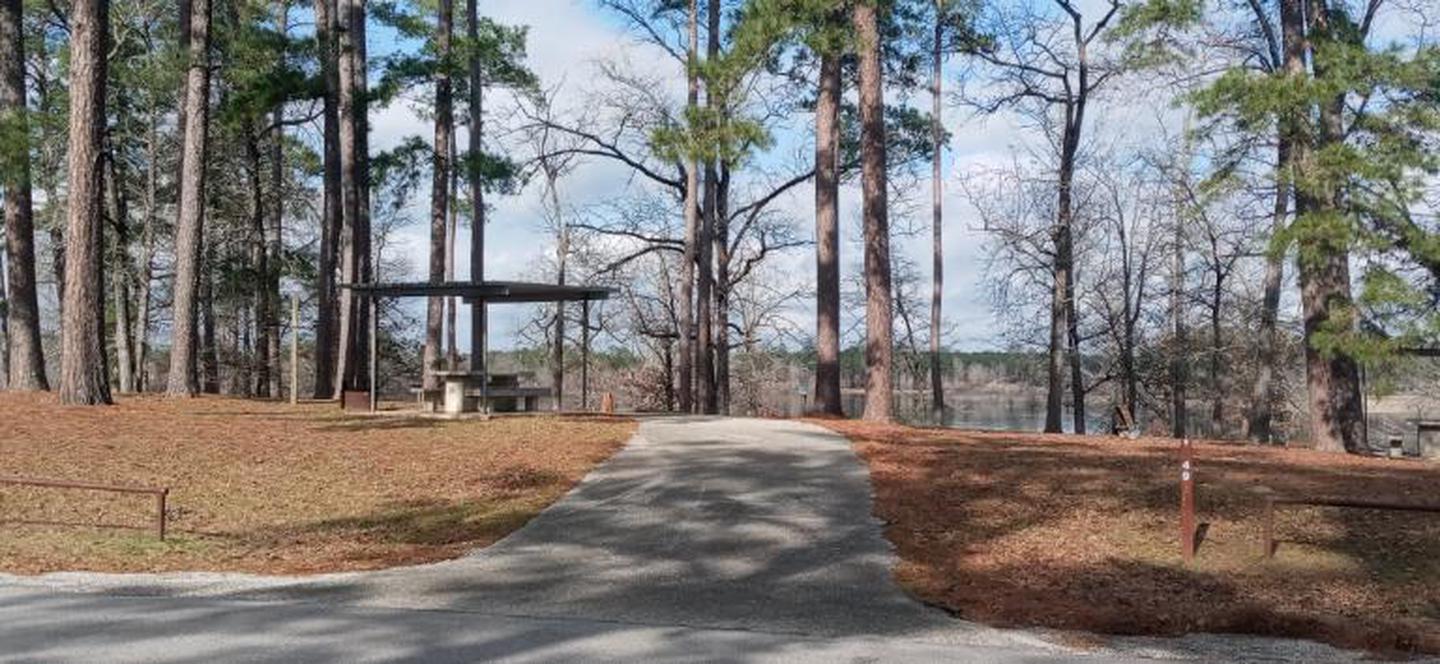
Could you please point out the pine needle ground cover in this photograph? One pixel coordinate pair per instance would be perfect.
(1082, 533)
(273, 488)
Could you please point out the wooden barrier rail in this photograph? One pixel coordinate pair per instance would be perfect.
(1272, 501)
(160, 493)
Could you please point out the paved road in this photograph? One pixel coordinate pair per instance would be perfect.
(704, 539)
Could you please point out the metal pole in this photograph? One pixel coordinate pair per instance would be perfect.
(584, 355)
(374, 353)
(295, 349)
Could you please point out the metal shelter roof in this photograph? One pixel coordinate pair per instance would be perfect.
(485, 291)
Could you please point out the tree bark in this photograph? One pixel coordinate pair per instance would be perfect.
(346, 350)
(479, 319)
(937, 221)
(827, 237)
(1178, 369)
(326, 26)
(879, 326)
(686, 325)
(1262, 394)
(439, 193)
(1065, 255)
(452, 303)
(260, 260)
(720, 327)
(1332, 374)
(1217, 344)
(366, 248)
(209, 350)
(1063, 340)
(189, 232)
(120, 277)
(25, 357)
(562, 254)
(82, 367)
(276, 236)
(705, 256)
(147, 252)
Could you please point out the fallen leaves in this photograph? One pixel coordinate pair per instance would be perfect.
(1081, 533)
(268, 487)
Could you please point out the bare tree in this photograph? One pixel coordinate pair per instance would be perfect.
(1052, 68)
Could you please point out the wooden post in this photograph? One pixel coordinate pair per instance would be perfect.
(160, 513)
(374, 355)
(295, 349)
(584, 355)
(1187, 500)
(1269, 540)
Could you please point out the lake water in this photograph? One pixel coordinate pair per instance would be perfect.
(998, 411)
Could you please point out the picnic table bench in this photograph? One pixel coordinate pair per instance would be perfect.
(461, 392)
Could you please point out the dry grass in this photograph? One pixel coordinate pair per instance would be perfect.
(1082, 533)
(274, 488)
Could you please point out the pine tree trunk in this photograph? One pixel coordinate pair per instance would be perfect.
(276, 230)
(879, 322)
(937, 221)
(1179, 377)
(1332, 374)
(147, 253)
(439, 194)
(25, 357)
(326, 342)
(705, 254)
(209, 350)
(720, 332)
(83, 377)
(1262, 394)
(260, 260)
(479, 322)
(120, 277)
(686, 324)
(827, 237)
(345, 355)
(365, 249)
(189, 231)
(452, 304)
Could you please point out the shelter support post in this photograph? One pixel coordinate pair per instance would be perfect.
(585, 355)
(374, 353)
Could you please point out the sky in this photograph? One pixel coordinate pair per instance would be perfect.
(566, 40)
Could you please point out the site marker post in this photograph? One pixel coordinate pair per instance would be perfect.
(1187, 501)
